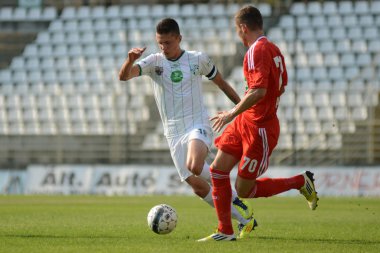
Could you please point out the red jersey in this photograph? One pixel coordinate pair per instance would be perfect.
(264, 67)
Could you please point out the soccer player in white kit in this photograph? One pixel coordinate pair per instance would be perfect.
(177, 82)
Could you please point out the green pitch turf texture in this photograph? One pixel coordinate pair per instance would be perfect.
(118, 224)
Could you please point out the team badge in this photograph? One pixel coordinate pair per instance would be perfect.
(159, 70)
(176, 76)
(194, 69)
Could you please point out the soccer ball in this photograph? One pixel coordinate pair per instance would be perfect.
(162, 219)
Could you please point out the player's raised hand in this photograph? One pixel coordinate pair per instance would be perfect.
(221, 119)
(135, 53)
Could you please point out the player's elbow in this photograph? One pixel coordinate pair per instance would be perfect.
(258, 93)
(261, 93)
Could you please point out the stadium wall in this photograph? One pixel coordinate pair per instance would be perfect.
(163, 180)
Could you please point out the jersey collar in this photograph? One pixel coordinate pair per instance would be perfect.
(183, 51)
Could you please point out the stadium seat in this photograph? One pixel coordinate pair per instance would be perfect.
(338, 33)
(301, 141)
(306, 34)
(359, 113)
(341, 113)
(331, 60)
(370, 33)
(308, 113)
(354, 33)
(335, 73)
(375, 7)
(298, 9)
(329, 8)
(287, 22)
(68, 13)
(334, 21)
(366, 20)
(343, 46)
(359, 46)
(265, 9)
(98, 13)
(325, 113)
(113, 12)
(315, 60)
(19, 14)
(334, 141)
(321, 35)
(314, 8)
(187, 10)
(350, 21)
(303, 22)
(352, 72)
(345, 7)
(232, 9)
(6, 14)
(361, 7)
(49, 13)
(318, 21)
(338, 99)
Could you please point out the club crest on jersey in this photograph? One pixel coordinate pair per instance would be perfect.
(176, 76)
(159, 70)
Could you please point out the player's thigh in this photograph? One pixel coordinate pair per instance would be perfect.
(257, 148)
(224, 161)
(196, 154)
(199, 144)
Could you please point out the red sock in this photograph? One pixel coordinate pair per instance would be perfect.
(266, 187)
(222, 194)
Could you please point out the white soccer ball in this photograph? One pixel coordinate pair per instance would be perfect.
(162, 219)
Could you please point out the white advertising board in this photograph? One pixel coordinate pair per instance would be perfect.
(151, 180)
(137, 180)
(12, 181)
(60, 179)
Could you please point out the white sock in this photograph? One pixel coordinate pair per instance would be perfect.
(208, 199)
(234, 213)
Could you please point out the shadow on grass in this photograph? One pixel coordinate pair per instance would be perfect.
(332, 241)
(64, 236)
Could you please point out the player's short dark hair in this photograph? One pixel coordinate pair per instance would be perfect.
(168, 25)
(250, 16)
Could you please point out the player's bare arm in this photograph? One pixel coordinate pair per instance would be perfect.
(226, 88)
(129, 70)
(252, 97)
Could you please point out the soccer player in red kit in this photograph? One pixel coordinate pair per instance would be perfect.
(254, 131)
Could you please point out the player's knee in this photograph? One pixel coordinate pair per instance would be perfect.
(242, 192)
(195, 168)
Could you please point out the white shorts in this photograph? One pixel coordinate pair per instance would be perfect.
(179, 146)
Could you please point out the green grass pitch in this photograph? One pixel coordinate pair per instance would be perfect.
(118, 224)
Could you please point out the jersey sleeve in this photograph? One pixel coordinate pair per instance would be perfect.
(146, 65)
(258, 76)
(284, 73)
(207, 67)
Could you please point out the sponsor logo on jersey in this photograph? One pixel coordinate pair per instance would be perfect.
(176, 76)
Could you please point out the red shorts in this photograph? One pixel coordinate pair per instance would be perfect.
(251, 144)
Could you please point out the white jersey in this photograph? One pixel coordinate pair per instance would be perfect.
(177, 88)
